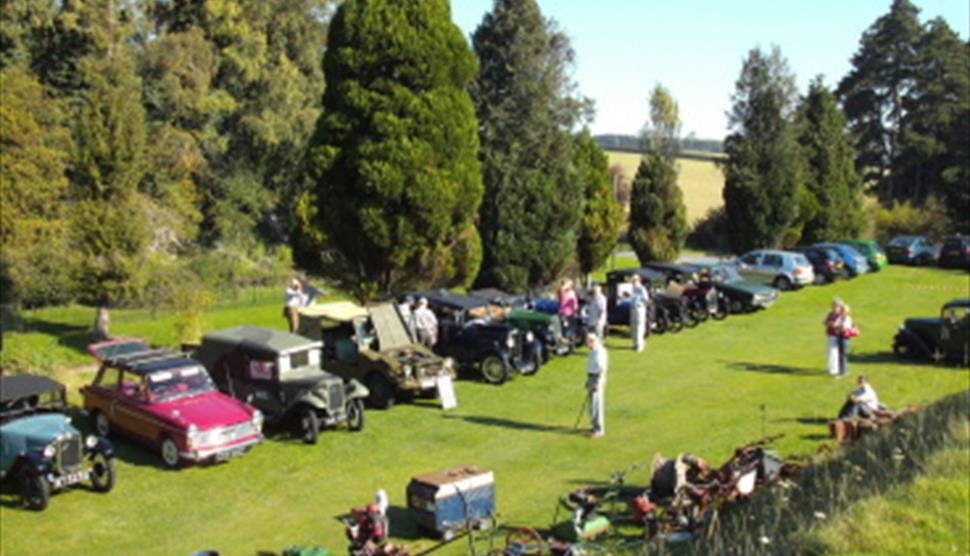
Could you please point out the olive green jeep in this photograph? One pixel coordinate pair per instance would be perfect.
(374, 345)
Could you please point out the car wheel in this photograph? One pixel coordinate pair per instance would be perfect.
(102, 472)
(783, 283)
(901, 349)
(690, 318)
(381, 392)
(309, 424)
(736, 307)
(721, 312)
(170, 453)
(101, 425)
(675, 325)
(35, 491)
(660, 323)
(355, 415)
(493, 370)
(700, 312)
(938, 356)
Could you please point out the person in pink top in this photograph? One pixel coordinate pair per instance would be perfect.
(568, 305)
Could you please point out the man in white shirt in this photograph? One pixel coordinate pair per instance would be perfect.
(862, 402)
(426, 324)
(638, 313)
(596, 384)
(597, 312)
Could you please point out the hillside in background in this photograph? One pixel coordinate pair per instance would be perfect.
(699, 178)
(693, 147)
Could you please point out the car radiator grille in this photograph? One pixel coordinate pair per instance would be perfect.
(336, 396)
(225, 435)
(69, 453)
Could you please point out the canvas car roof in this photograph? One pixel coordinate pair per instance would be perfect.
(15, 387)
(341, 311)
(390, 329)
(263, 339)
(451, 299)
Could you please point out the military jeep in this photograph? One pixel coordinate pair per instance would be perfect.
(40, 449)
(279, 373)
(374, 345)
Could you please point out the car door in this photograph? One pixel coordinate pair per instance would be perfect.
(752, 266)
(131, 408)
(255, 380)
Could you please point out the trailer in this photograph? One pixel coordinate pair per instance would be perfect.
(453, 500)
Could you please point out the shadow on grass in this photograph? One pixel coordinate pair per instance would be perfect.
(76, 337)
(770, 368)
(803, 420)
(511, 424)
(816, 437)
(873, 357)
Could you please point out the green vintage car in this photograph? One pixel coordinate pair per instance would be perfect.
(741, 295)
(871, 250)
(942, 339)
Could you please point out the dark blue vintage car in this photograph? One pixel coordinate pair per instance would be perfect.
(473, 332)
(40, 449)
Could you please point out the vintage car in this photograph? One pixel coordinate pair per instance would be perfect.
(280, 374)
(871, 250)
(667, 312)
(557, 337)
(703, 299)
(40, 449)
(167, 401)
(474, 333)
(374, 345)
(741, 295)
(946, 338)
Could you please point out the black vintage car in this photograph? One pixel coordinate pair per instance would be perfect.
(667, 313)
(946, 338)
(955, 252)
(702, 298)
(472, 331)
(40, 449)
(557, 337)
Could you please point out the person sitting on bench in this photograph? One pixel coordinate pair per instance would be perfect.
(862, 402)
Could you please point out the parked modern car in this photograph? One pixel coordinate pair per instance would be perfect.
(373, 345)
(826, 263)
(280, 374)
(741, 295)
(854, 262)
(167, 401)
(473, 332)
(871, 250)
(915, 250)
(39, 447)
(783, 270)
(955, 252)
(946, 338)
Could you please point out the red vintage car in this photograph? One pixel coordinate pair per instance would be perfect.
(167, 401)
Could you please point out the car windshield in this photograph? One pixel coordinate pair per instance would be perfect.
(800, 260)
(730, 274)
(297, 360)
(901, 241)
(178, 383)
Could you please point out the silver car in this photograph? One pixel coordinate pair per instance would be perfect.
(783, 270)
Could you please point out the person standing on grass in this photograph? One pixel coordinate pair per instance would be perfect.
(638, 313)
(568, 305)
(846, 331)
(833, 330)
(596, 384)
(426, 324)
(597, 312)
(293, 299)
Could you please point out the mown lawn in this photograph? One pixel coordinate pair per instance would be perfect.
(700, 390)
(700, 180)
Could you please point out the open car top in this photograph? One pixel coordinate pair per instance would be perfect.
(17, 387)
(340, 311)
(135, 355)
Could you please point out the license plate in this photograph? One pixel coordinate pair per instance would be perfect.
(228, 454)
(61, 481)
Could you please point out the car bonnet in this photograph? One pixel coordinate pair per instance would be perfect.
(35, 431)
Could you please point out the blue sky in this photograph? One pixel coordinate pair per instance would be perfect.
(695, 47)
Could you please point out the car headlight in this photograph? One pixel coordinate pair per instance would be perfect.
(91, 441)
(49, 451)
(258, 419)
(510, 342)
(529, 337)
(192, 433)
(408, 371)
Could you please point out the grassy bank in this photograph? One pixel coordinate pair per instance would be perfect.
(698, 391)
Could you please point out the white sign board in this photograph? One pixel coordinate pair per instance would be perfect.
(446, 391)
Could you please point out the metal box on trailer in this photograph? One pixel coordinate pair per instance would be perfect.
(453, 500)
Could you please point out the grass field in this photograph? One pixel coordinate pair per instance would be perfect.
(700, 180)
(699, 390)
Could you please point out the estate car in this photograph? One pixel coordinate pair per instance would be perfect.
(784, 270)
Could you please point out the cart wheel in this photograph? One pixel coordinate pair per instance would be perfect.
(527, 541)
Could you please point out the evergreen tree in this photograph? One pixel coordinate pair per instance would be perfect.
(762, 169)
(108, 227)
(523, 94)
(658, 217)
(35, 146)
(602, 220)
(831, 180)
(393, 159)
(874, 92)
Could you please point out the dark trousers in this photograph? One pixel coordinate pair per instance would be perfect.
(843, 345)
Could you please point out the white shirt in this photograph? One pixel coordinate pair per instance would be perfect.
(640, 296)
(596, 364)
(866, 396)
(424, 319)
(294, 298)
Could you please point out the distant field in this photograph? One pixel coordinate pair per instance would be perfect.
(700, 180)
